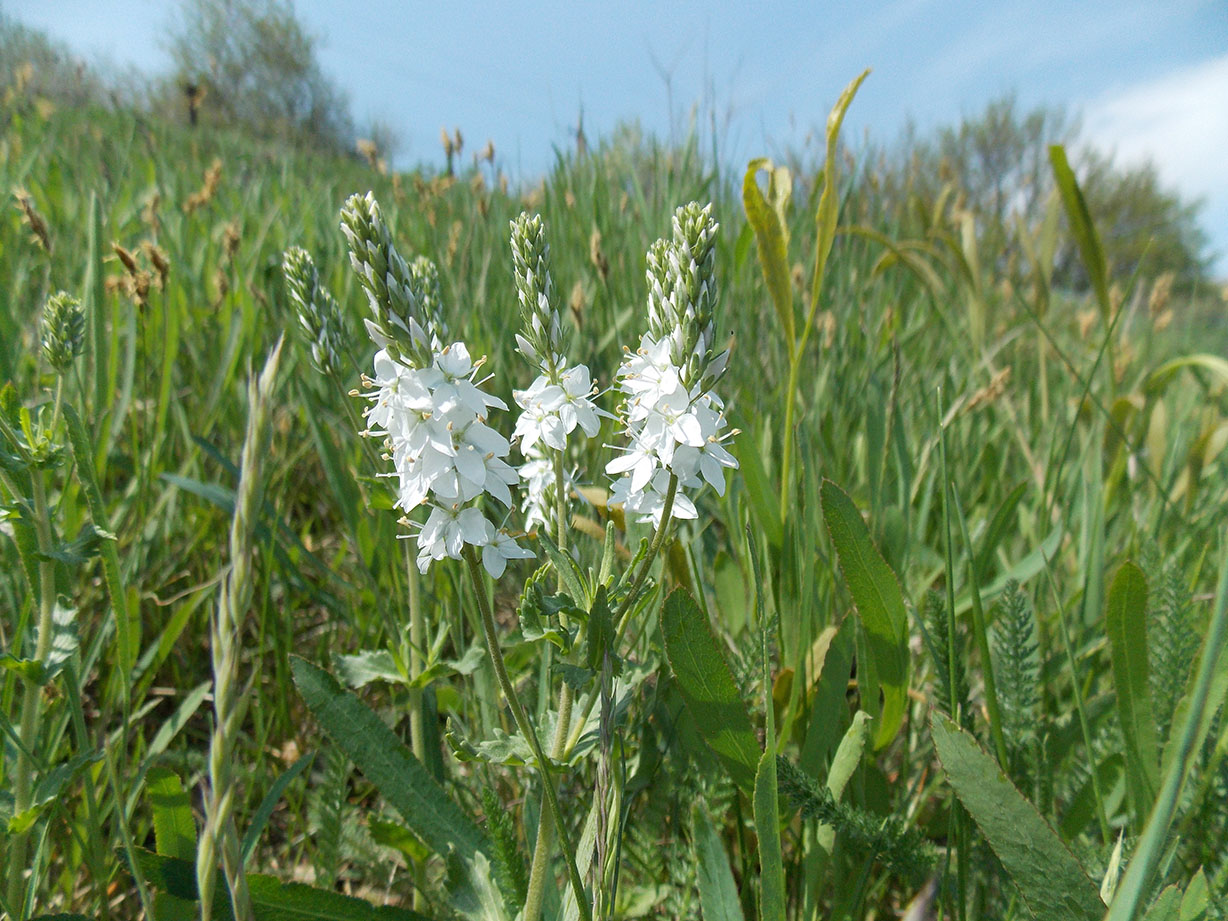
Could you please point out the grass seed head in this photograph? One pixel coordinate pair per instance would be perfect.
(33, 220)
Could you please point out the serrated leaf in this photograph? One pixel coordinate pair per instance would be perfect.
(388, 764)
(707, 686)
(272, 900)
(81, 549)
(880, 605)
(174, 827)
(767, 827)
(1050, 878)
(362, 668)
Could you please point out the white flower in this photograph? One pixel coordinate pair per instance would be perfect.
(552, 411)
(499, 550)
(648, 504)
(447, 530)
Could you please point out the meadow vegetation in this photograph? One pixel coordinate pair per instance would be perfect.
(953, 636)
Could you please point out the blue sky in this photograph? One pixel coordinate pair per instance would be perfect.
(1149, 77)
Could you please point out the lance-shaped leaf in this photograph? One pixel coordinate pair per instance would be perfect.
(1050, 878)
(388, 764)
(1125, 623)
(707, 686)
(880, 605)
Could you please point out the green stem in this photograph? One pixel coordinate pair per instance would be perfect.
(623, 615)
(653, 549)
(545, 826)
(786, 457)
(526, 729)
(32, 694)
(417, 728)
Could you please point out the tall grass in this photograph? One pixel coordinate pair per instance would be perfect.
(1007, 449)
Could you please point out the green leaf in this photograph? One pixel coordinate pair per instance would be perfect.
(829, 203)
(261, 816)
(1050, 879)
(567, 570)
(64, 643)
(767, 827)
(81, 549)
(600, 636)
(388, 764)
(999, 526)
(1082, 228)
(846, 761)
(880, 605)
(1193, 717)
(272, 900)
(1125, 621)
(759, 488)
(772, 236)
(174, 827)
(1166, 907)
(707, 686)
(361, 668)
(1159, 379)
(1196, 899)
(718, 894)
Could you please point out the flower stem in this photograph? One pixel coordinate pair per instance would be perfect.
(526, 729)
(657, 540)
(623, 616)
(32, 696)
(417, 729)
(545, 825)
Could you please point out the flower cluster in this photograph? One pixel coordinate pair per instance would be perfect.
(674, 423)
(560, 398)
(427, 404)
(63, 330)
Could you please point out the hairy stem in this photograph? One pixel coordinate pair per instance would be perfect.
(526, 729)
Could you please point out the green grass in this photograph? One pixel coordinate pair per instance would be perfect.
(1068, 452)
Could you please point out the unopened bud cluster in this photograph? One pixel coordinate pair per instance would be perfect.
(317, 309)
(682, 295)
(399, 322)
(543, 340)
(63, 330)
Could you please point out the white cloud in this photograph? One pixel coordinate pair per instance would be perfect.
(1179, 122)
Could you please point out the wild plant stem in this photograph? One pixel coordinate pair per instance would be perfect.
(526, 729)
(786, 455)
(545, 827)
(622, 617)
(32, 694)
(417, 727)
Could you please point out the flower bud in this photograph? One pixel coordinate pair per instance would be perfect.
(318, 311)
(63, 330)
(399, 322)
